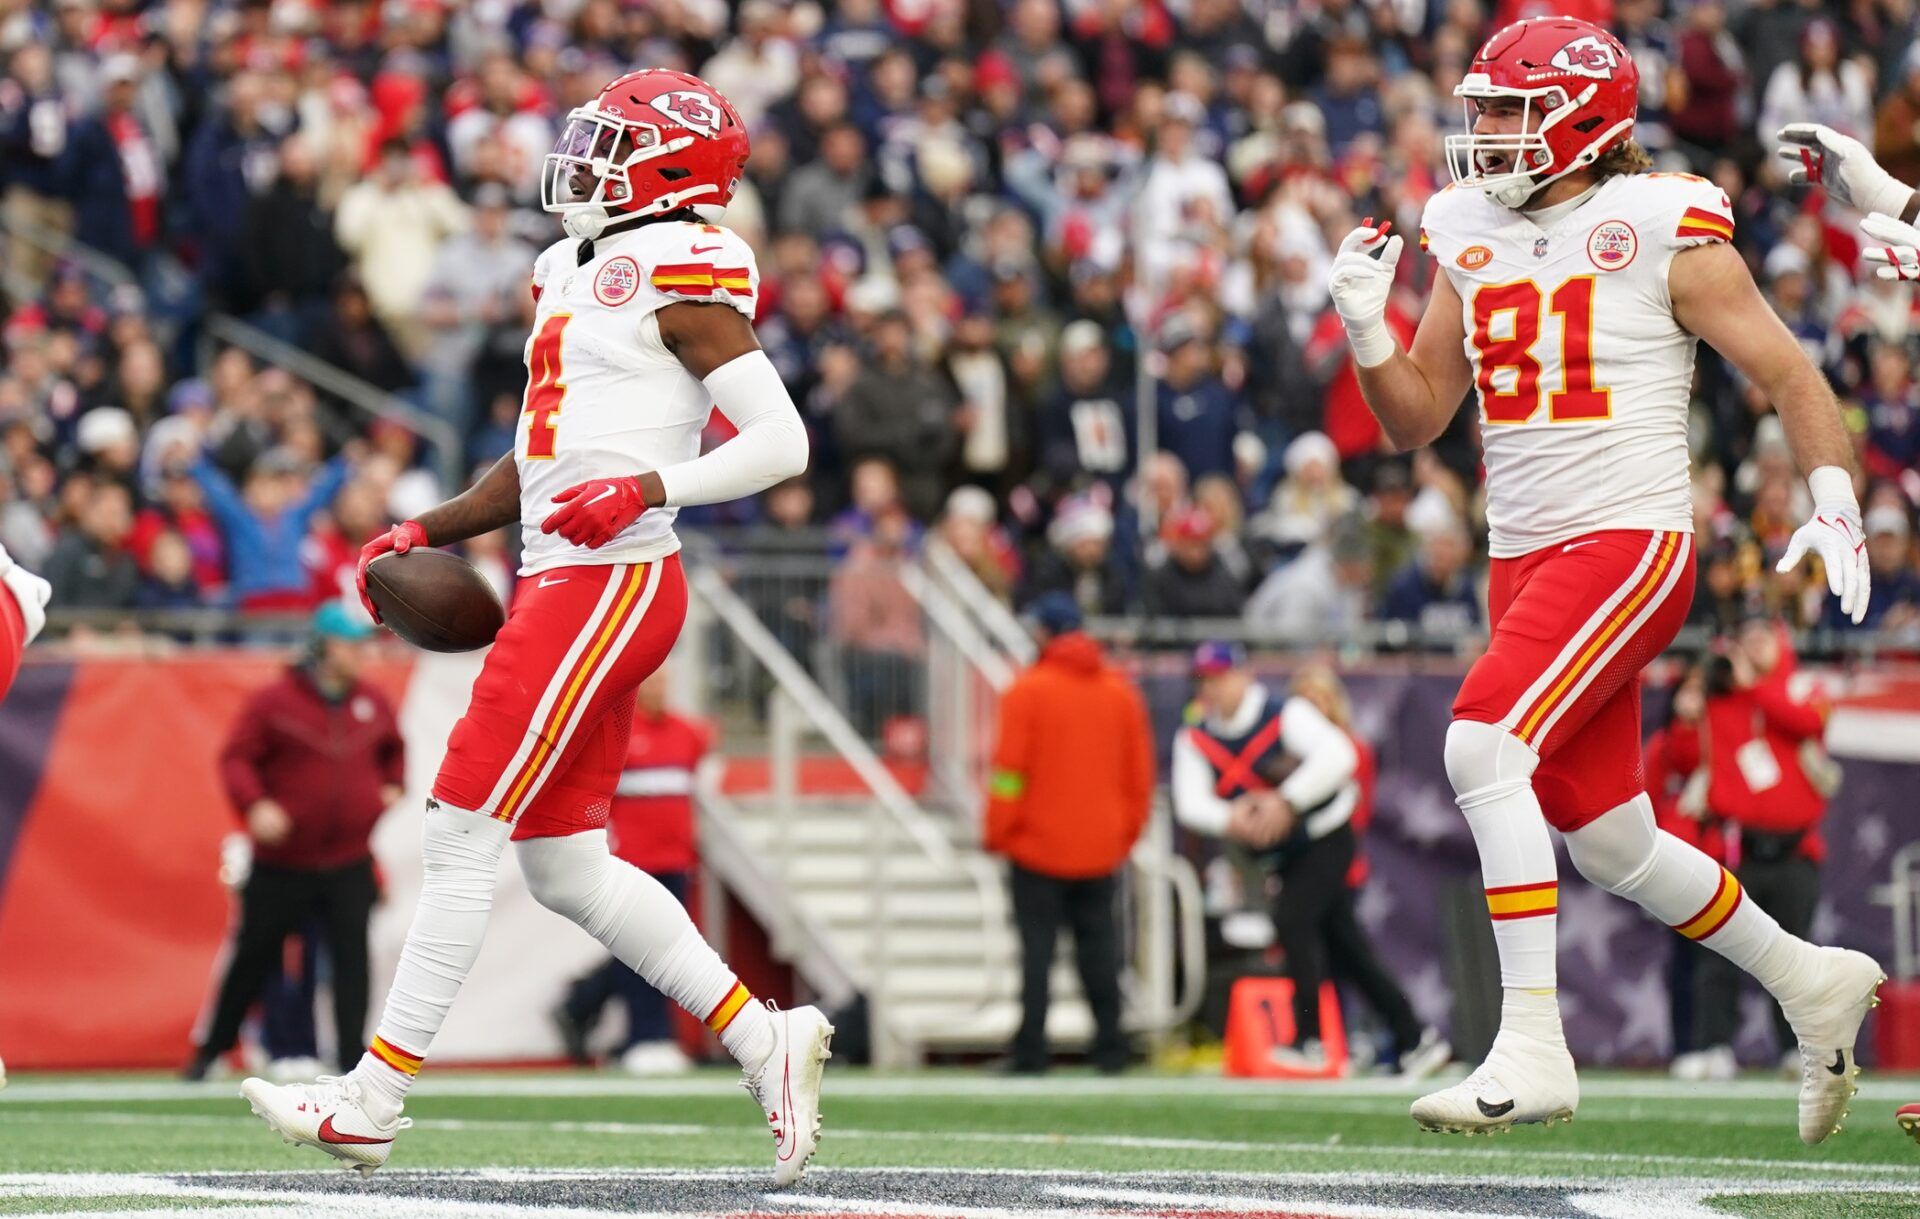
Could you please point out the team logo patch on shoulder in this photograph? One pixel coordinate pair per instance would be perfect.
(1474, 257)
(1588, 56)
(694, 111)
(617, 280)
(1612, 245)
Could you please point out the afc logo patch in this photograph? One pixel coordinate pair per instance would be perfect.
(1612, 245)
(694, 111)
(1474, 257)
(617, 281)
(1587, 56)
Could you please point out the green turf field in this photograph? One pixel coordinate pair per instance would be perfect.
(960, 1144)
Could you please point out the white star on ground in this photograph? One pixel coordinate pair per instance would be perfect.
(1427, 817)
(1871, 837)
(1590, 920)
(1375, 906)
(1645, 1007)
(1429, 993)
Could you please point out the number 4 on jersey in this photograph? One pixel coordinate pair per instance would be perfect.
(545, 389)
(1576, 401)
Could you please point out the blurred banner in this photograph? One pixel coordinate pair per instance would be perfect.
(112, 916)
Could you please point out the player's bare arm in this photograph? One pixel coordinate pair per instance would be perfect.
(492, 502)
(1714, 297)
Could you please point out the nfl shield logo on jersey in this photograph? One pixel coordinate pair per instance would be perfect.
(1540, 247)
(1612, 245)
(617, 281)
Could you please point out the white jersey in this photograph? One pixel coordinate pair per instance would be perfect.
(1582, 374)
(604, 395)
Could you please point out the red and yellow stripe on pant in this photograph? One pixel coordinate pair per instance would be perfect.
(395, 1057)
(1714, 915)
(553, 730)
(723, 1012)
(1532, 726)
(1523, 901)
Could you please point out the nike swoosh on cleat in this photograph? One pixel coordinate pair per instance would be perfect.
(789, 1141)
(329, 1135)
(1839, 1064)
(1500, 1110)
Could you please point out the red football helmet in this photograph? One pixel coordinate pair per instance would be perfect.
(654, 141)
(1581, 92)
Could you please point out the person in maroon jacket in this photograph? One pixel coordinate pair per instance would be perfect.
(1768, 779)
(312, 763)
(650, 825)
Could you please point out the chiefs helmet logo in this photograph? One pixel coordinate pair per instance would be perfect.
(694, 111)
(1587, 56)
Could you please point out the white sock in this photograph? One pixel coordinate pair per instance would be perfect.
(1622, 852)
(462, 857)
(649, 931)
(1492, 773)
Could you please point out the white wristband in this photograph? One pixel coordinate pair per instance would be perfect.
(1832, 485)
(1372, 346)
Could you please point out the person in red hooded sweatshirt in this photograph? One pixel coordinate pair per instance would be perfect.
(651, 826)
(1071, 784)
(1769, 778)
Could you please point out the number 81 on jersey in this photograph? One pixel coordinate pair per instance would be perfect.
(1506, 327)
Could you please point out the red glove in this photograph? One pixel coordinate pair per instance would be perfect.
(592, 513)
(397, 540)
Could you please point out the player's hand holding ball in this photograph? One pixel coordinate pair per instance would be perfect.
(593, 513)
(1836, 535)
(1360, 281)
(1893, 248)
(397, 540)
(1843, 166)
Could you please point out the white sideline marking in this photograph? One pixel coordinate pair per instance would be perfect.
(717, 1083)
(1451, 1149)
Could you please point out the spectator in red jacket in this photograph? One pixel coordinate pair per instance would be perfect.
(313, 761)
(1769, 777)
(1072, 780)
(1675, 762)
(650, 825)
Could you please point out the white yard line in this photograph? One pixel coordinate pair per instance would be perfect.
(1451, 1150)
(859, 1086)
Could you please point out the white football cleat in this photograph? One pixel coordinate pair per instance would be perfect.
(326, 1114)
(788, 1087)
(1524, 1079)
(1840, 988)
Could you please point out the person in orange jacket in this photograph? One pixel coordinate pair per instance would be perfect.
(1072, 781)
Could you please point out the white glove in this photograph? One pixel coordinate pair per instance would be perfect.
(1894, 247)
(31, 591)
(1843, 166)
(1361, 279)
(1835, 535)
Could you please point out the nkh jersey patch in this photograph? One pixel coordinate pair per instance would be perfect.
(701, 279)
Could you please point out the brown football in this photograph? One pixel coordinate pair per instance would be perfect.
(435, 600)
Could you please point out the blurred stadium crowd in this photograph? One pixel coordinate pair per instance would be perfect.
(984, 227)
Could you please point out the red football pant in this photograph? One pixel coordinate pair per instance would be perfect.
(13, 639)
(1573, 625)
(546, 730)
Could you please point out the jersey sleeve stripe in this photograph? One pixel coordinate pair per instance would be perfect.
(734, 279)
(684, 276)
(1423, 241)
(1699, 222)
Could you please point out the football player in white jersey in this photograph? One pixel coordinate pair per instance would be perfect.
(1843, 166)
(642, 328)
(1575, 289)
